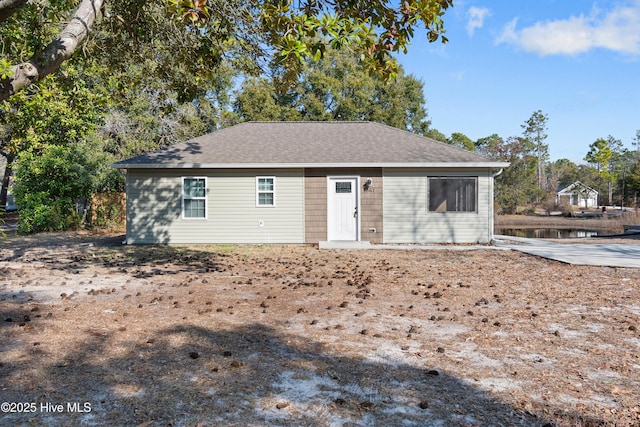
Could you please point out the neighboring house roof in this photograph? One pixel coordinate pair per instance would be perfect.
(573, 188)
(309, 144)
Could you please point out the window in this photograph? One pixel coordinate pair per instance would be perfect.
(194, 197)
(452, 194)
(343, 187)
(265, 191)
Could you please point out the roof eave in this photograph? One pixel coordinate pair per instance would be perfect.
(456, 165)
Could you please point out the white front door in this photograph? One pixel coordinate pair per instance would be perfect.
(342, 209)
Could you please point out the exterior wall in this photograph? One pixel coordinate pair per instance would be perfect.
(370, 209)
(398, 214)
(154, 207)
(406, 219)
(575, 199)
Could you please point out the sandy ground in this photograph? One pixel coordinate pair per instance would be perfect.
(96, 333)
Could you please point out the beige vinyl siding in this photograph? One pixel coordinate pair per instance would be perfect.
(154, 207)
(315, 206)
(406, 219)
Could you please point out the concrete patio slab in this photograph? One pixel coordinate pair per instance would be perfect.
(598, 254)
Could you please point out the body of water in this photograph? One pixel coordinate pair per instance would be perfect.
(547, 233)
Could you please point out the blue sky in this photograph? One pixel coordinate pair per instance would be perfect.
(576, 60)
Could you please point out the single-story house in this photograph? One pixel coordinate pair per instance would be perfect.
(308, 182)
(578, 194)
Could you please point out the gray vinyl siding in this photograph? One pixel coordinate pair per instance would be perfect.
(154, 207)
(406, 219)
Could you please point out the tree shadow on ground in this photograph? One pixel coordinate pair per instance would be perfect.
(15, 315)
(13, 247)
(86, 250)
(248, 375)
(235, 375)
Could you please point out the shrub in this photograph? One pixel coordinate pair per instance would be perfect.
(48, 182)
(55, 215)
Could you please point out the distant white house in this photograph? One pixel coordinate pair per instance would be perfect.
(579, 195)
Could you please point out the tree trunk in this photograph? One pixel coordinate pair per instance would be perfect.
(8, 172)
(59, 50)
(610, 188)
(9, 7)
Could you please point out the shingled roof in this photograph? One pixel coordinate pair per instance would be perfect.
(309, 144)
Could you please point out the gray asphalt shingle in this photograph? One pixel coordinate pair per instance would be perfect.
(308, 144)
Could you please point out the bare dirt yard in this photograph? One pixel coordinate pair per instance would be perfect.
(97, 333)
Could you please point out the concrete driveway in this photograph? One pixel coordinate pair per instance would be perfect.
(597, 254)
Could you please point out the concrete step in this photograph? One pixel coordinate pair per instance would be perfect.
(339, 244)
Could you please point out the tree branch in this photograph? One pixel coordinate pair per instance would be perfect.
(59, 50)
(9, 7)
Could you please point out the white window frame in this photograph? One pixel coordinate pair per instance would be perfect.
(258, 191)
(184, 197)
(454, 212)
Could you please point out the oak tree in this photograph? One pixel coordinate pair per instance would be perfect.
(337, 88)
(284, 32)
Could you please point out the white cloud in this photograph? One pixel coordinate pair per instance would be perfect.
(457, 75)
(476, 17)
(617, 30)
